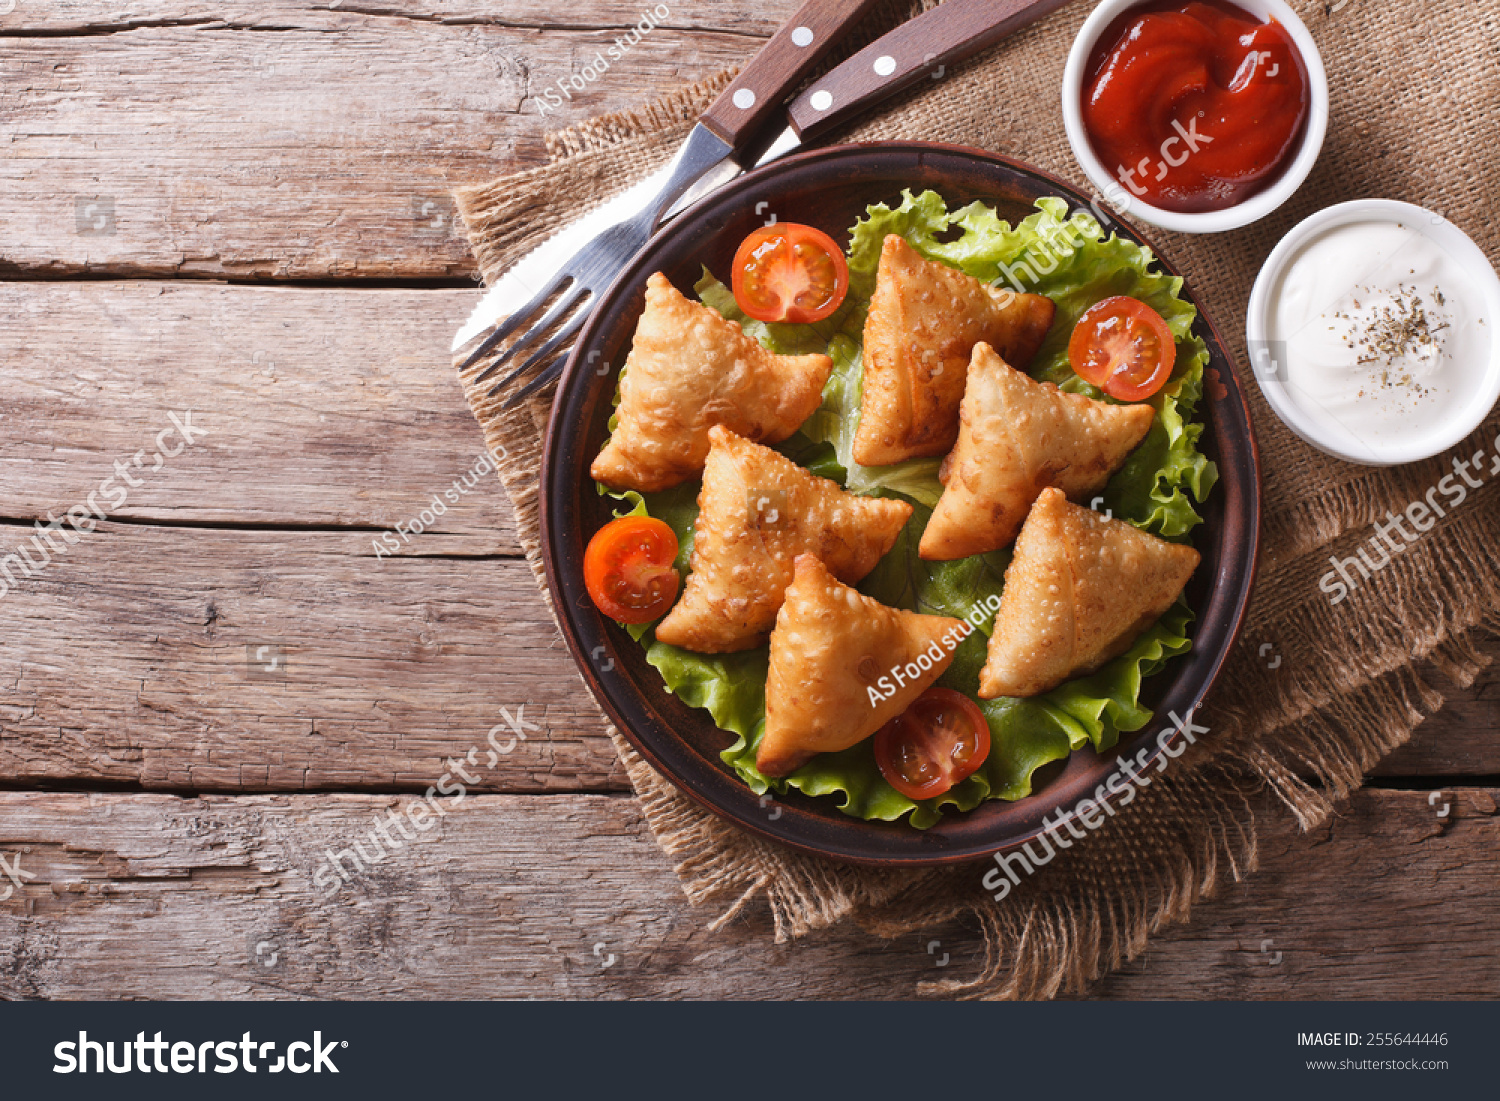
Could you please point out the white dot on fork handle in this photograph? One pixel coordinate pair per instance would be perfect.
(744, 99)
(802, 36)
(885, 65)
(822, 100)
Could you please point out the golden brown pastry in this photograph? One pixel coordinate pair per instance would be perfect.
(1079, 591)
(689, 369)
(830, 648)
(924, 321)
(757, 511)
(1017, 436)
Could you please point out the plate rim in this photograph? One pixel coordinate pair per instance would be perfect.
(601, 695)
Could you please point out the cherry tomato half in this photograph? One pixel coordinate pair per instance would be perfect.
(628, 569)
(932, 745)
(1123, 346)
(790, 272)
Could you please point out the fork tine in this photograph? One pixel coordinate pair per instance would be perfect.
(573, 325)
(508, 326)
(542, 378)
(560, 309)
(541, 354)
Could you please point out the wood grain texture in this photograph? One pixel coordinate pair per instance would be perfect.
(139, 896)
(758, 20)
(325, 407)
(132, 659)
(1461, 739)
(129, 660)
(921, 48)
(299, 144)
(778, 67)
(1396, 897)
(316, 140)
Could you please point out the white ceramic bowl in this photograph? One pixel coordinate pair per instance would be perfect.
(1256, 206)
(1480, 378)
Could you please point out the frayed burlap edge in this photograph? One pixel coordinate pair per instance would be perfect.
(713, 859)
(1094, 907)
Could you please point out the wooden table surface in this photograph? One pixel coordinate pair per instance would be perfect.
(240, 209)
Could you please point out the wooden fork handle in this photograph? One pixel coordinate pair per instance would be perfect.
(923, 47)
(782, 63)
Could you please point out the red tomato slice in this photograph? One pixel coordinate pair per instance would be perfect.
(628, 569)
(790, 272)
(932, 745)
(1123, 346)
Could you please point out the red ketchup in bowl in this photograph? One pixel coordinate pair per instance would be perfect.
(1195, 106)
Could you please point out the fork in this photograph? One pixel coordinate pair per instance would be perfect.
(587, 267)
(585, 257)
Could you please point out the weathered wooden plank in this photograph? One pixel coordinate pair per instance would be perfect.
(1463, 739)
(310, 144)
(329, 408)
(87, 16)
(135, 658)
(322, 407)
(130, 659)
(139, 896)
(1397, 897)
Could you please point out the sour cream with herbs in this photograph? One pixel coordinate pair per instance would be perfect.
(1374, 331)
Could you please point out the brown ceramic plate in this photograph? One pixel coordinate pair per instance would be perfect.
(830, 188)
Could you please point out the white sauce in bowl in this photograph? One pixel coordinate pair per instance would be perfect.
(1378, 334)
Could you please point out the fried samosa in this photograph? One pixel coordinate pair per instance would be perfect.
(830, 648)
(1079, 591)
(924, 321)
(1016, 437)
(757, 511)
(689, 369)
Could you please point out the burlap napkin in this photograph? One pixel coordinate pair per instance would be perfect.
(1413, 87)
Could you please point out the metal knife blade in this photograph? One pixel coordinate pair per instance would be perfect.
(786, 142)
(703, 152)
(948, 33)
(527, 276)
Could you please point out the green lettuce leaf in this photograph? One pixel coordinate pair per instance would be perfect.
(1024, 734)
(1068, 259)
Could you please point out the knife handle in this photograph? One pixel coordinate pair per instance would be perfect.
(924, 46)
(782, 63)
